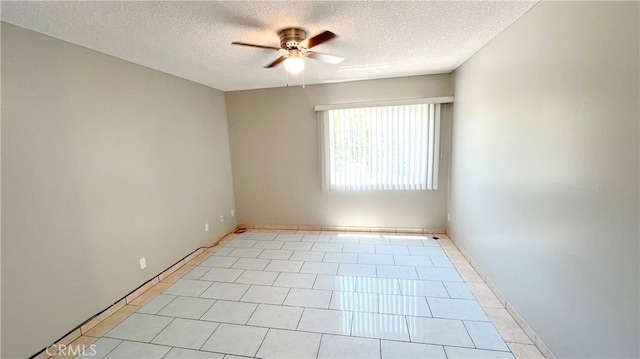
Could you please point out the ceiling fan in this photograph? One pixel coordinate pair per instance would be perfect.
(295, 45)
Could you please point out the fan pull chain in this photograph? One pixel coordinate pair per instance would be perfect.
(287, 72)
(303, 86)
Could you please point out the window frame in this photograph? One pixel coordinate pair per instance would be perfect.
(432, 142)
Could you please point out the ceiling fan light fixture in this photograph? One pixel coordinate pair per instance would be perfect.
(294, 65)
(295, 45)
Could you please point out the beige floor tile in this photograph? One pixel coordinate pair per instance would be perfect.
(193, 255)
(211, 250)
(465, 266)
(525, 351)
(444, 242)
(468, 273)
(507, 327)
(484, 295)
(212, 243)
(199, 259)
(68, 339)
(544, 350)
(138, 292)
(170, 270)
(102, 316)
(450, 249)
(496, 292)
(521, 322)
(106, 325)
(179, 273)
(478, 270)
(84, 340)
(457, 261)
(455, 256)
(147, 296)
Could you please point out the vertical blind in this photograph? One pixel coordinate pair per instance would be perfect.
(381, 148)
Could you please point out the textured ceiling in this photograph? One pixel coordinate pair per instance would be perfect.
(192, 39)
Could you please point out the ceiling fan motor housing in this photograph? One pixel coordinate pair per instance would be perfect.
(291, 38)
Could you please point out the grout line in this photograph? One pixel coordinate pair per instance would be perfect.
(469, 334)
(317, 351)
(319, 346)
(353, 322)
(301, 314)
(163, 328)
(252, 312)
(210, 335)
(333, 293)
(164, 306)
(262, 342)
(114, 348)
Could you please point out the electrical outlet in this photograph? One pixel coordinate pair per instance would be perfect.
(233, 213)
(221, 218)
(143, 263)
(206, 227)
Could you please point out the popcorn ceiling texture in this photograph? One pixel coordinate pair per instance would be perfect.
(192, 39)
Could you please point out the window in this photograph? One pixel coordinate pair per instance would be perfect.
(381, 148)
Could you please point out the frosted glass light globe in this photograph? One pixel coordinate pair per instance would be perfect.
(294, 65)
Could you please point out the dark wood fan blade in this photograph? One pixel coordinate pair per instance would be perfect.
(332, 59)
(318, 39)
(254, 45)
(275, 63)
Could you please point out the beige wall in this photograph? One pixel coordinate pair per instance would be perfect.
(276, 166)
(104, 162)
(545, 167)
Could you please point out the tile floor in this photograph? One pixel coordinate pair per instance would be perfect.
(295, 295)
